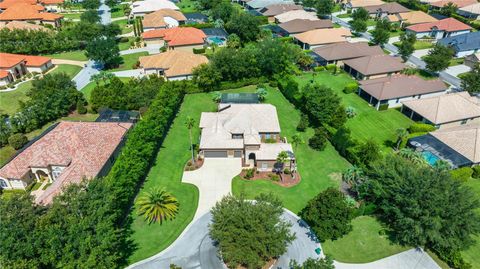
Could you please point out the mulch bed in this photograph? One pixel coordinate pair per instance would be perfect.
(286, 179)
(198, 163)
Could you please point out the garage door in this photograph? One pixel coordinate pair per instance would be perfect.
(216, 154)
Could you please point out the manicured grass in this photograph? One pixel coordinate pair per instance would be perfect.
(117, 11)
(371, 22)
(125, 45)
(368, 123)
(126, 28)
(128, 61)
(167, 172)
(364, 244)
(472, 255)
(318, 169)
(5, 154)
(72, 16)
(10, 100)
(76, 55)
(420, 45)
(187, 6)
(87, 90)
(345, 15)
(456, 61)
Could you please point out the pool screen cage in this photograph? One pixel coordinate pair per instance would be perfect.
(239, 98)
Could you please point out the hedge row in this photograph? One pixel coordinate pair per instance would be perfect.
(143, 142)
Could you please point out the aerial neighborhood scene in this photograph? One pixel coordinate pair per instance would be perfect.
(242, 134)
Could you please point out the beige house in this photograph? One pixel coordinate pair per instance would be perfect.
(276, 9)
(294, 15)
(321, 37)
(373, 66)
(163, 18)
(173, 64)
(339, 52)
(22, 25)
(247, 131)
(354, 4)
(410, 18)
(444, 111)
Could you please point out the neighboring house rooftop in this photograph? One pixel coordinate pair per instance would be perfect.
(21, 25)
(324, 36)
(347, 50)
(173, 62)
(398, 86)
(178, 36)
(471, 9)
(390, 8)
(82, 148)
(8, 60)
(8, 3)
(24, 11)
(148, 6)
(446, 108)
(363, 3)
(458, 3)
(247, 119)
(448, 25)
(259, 4)
(157, 18)
(464, 139)
(276, 9)
(296, 14)
(463, 42)
(52, 2)
(412, 17)
(303, 25)
(4, 73)
(376, 64)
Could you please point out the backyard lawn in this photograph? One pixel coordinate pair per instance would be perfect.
(472, 255)
(76, 55)
(419, 44)
(364, 244)
(187, 6)
(129, 61)
(10, 100)
(368, 123)
(124, 26)
(72, 16)
(117, 11)
(125, 45)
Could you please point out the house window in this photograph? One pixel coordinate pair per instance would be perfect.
(264, 166)
(237, 136)
(268, 136)
(3, 183)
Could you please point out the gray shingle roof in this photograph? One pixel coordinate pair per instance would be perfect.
(463, 42)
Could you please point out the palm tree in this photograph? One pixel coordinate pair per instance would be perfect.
(189, 123)
(411, 155)
(354, 177)
(296, 140)
(402, 134)
(157, 205)
(282, 158)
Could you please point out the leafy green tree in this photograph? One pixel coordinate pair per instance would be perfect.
(324, 263)
(402, 134)
(17, 141)
(233, 41)
(412, 155)
(381, 33)
(360, 14)
(423, 206)
(303, 123)
(207, 77)
(354, 177)
(208, 4)
(111, 3)
(111, 30)
(323, 105)
(222, 11)
(368, 152)
(329, 215)
(104, 50)
(324, 8)
(471, 80)
(262, 94)
(407, 45)
(5, 130)
(190, 123)
(282, 157)
(296, 141)
(250, 234)
(244, 25)
(438, 58)
(358, 25)
(91, 4)
(319, 140)
(157, 205)
(90, 16)
(448, 9)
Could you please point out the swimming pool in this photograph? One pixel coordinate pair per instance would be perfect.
(217, 40)
(430, 157)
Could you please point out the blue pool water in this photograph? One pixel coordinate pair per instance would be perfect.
(216, 40)
(430, 157)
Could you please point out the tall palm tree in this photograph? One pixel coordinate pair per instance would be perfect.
(189, 123)
(402, 134)
(157, 205)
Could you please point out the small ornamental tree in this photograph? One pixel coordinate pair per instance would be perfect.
(381, 33)
(471, 80)
(250, 233)
(324, 8)
(17, 141)
(329, 215)
(104, 50)
(406, 46)
(325, 263)
(438, 58)
(319, 140)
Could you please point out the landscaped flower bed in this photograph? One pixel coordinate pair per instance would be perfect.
(282, 179)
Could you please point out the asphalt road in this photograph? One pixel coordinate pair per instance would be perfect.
(194, 249)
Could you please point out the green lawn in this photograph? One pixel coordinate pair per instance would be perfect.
(117, 11)
(363, 244)
(345, 15)
(76, 55)
(456, 61)
(187, 6)
(126, 28)
(125, 45)
(368, 123)
(419, 44)
(72, 16)
(472, 255)
(10, 100)
(128, 61)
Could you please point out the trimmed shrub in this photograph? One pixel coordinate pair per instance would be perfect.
(288, 39)
(331, 67)
(319, 140)
(274, 177)
(81, 109)
(319, 68)
(17, 141)
(421, 127)
(287, 171)
(303, 123)
(476, 172)
(383, 107)
(350, 88)
(198, 51)
(123, 39)
(462, 174)
(249, 174)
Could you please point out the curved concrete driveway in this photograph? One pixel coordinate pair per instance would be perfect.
(195, 249)
(213, 180)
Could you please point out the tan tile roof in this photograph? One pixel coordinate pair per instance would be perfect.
(296, 14)
(472, 9)
(83, 147)
(376, 64)
(276, 9)
(398, 86)
(448, 25)
(178, 36)
(302, 25)
(364, 3)
(347, 50)
(391, 8)
(324, 36)
(458, 3)
(157, 19)
(21, 25)
(446, 108)
(412, 17)
(174, 62)
(464, 139)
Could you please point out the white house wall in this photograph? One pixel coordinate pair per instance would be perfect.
(394, 103)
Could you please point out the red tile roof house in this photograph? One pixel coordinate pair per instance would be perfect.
(373, 66)
(27, 12)
(65, 154)
(389, 92)
(17, 65)
(439, 29)
(181, 38)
